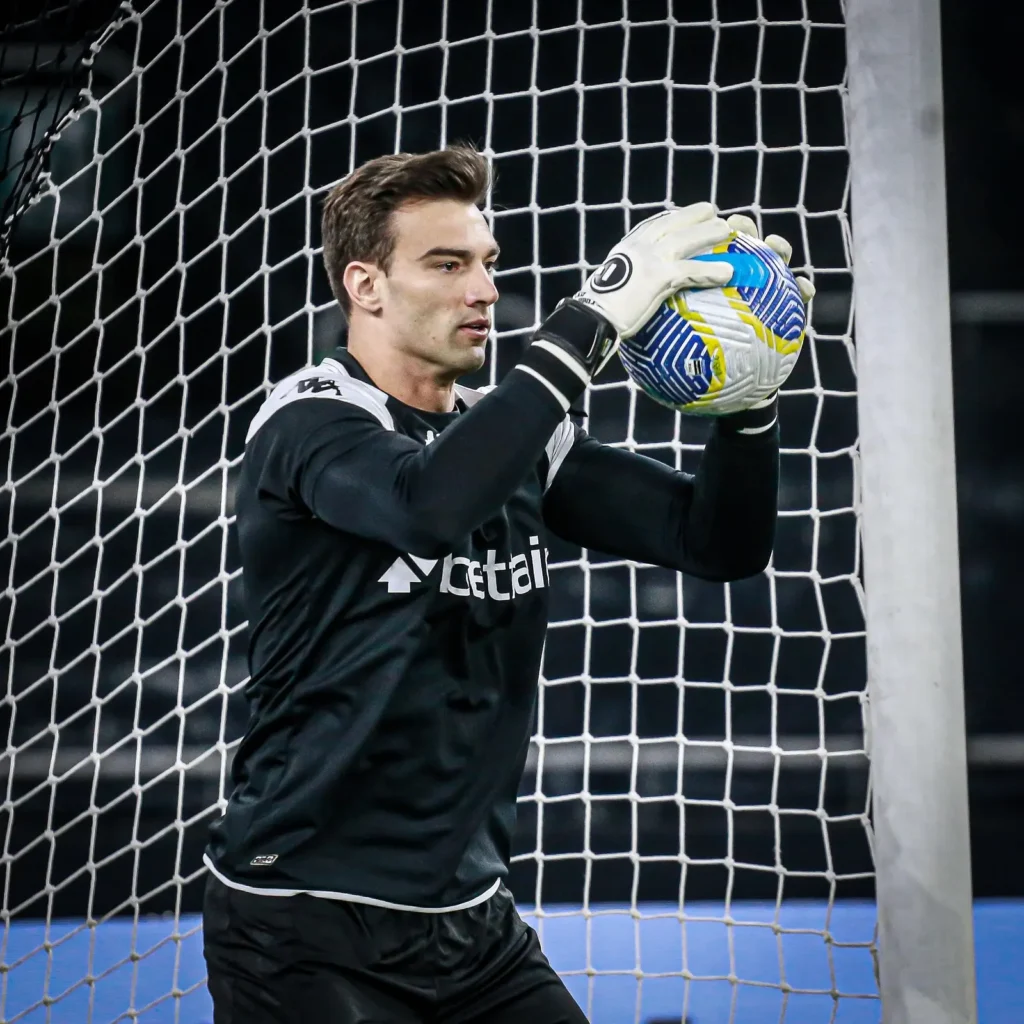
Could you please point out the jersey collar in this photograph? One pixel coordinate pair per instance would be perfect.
(352, 365)
(355, 369)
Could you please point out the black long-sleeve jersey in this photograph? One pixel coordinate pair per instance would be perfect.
(397, 591)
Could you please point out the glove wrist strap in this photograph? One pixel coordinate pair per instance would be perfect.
(581, 331)
(756, 421)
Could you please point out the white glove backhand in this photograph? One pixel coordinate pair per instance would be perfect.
(653, 262)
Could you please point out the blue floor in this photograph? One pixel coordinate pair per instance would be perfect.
(616, 943)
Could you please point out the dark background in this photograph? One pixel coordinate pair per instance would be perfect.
(146, 362)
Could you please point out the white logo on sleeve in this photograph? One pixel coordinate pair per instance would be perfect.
(399, 576)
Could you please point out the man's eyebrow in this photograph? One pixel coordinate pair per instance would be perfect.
(459, 254)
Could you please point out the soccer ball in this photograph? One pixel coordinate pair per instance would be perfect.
(715, 351)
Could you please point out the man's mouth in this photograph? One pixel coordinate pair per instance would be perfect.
(477, 328)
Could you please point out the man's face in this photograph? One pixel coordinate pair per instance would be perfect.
(436, 299)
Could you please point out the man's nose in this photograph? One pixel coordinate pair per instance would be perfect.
(481, 289)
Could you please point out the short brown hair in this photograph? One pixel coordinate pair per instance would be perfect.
(355, 223)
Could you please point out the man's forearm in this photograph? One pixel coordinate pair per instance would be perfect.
(730, 525)
(719, 524)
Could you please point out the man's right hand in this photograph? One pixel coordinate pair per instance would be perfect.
(648, 265)
(653, 262)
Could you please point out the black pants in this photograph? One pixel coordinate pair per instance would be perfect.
(306, 960)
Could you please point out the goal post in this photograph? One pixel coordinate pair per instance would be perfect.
(908, 512)
(696, 839)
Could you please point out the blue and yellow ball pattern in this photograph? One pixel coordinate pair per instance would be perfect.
(715, 351)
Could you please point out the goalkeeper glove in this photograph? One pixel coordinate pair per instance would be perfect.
(742, 223)
(648, 265)
(762, 415)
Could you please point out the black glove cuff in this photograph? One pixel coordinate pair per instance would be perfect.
(752, 422)
(580, 331)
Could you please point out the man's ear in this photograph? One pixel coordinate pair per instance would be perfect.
(362, 281)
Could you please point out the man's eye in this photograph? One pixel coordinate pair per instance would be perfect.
(492, 267)
(449, 265)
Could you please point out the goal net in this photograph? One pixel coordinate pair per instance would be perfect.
(694, 832)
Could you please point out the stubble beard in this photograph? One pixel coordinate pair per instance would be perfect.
(466, 359)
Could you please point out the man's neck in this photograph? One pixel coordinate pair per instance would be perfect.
(405, 377)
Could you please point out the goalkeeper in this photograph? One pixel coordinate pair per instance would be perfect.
(392, 528)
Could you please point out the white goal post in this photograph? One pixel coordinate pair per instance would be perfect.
(908, 513)
(722, 776)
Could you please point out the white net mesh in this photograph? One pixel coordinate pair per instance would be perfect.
(696, 804)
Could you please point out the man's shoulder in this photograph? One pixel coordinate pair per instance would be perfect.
(331, 381)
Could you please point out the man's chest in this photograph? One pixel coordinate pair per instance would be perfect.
(505, 558)
(502, 560)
